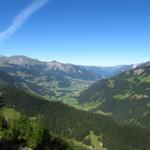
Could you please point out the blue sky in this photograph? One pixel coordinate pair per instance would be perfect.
(87, 32)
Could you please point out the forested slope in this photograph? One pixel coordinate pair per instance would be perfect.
(75, 124)
(125, 96)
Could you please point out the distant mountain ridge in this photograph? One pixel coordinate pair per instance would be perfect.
(106, 72)
(55, 80)
(66, 69)
(93, 72)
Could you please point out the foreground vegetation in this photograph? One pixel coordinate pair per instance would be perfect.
(79, 127)
(18, 132)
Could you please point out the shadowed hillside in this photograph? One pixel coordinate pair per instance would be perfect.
(126, 96)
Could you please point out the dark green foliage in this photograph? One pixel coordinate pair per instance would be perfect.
(22, 132)
(71, 123)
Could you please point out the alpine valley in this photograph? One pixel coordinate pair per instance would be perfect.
(54, 80)
(56, 106)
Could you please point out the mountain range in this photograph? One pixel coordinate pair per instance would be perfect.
(81, 129)
(54, 80)
(75, 71)
(108, 108)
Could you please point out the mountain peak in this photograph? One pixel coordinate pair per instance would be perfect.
(19, 60)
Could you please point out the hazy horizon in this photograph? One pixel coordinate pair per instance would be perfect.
(99, 65)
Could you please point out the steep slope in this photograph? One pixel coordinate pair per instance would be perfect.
(6, 79)
(71, 123)
(126, 96)
(54, 67)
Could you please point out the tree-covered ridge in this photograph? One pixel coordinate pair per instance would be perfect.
(69, 123)
(126, 96)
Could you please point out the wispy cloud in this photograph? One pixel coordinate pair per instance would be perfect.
(21, 18)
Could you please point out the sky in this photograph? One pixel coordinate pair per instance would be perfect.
(84, 32)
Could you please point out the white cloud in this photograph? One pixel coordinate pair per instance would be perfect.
(21, 18)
